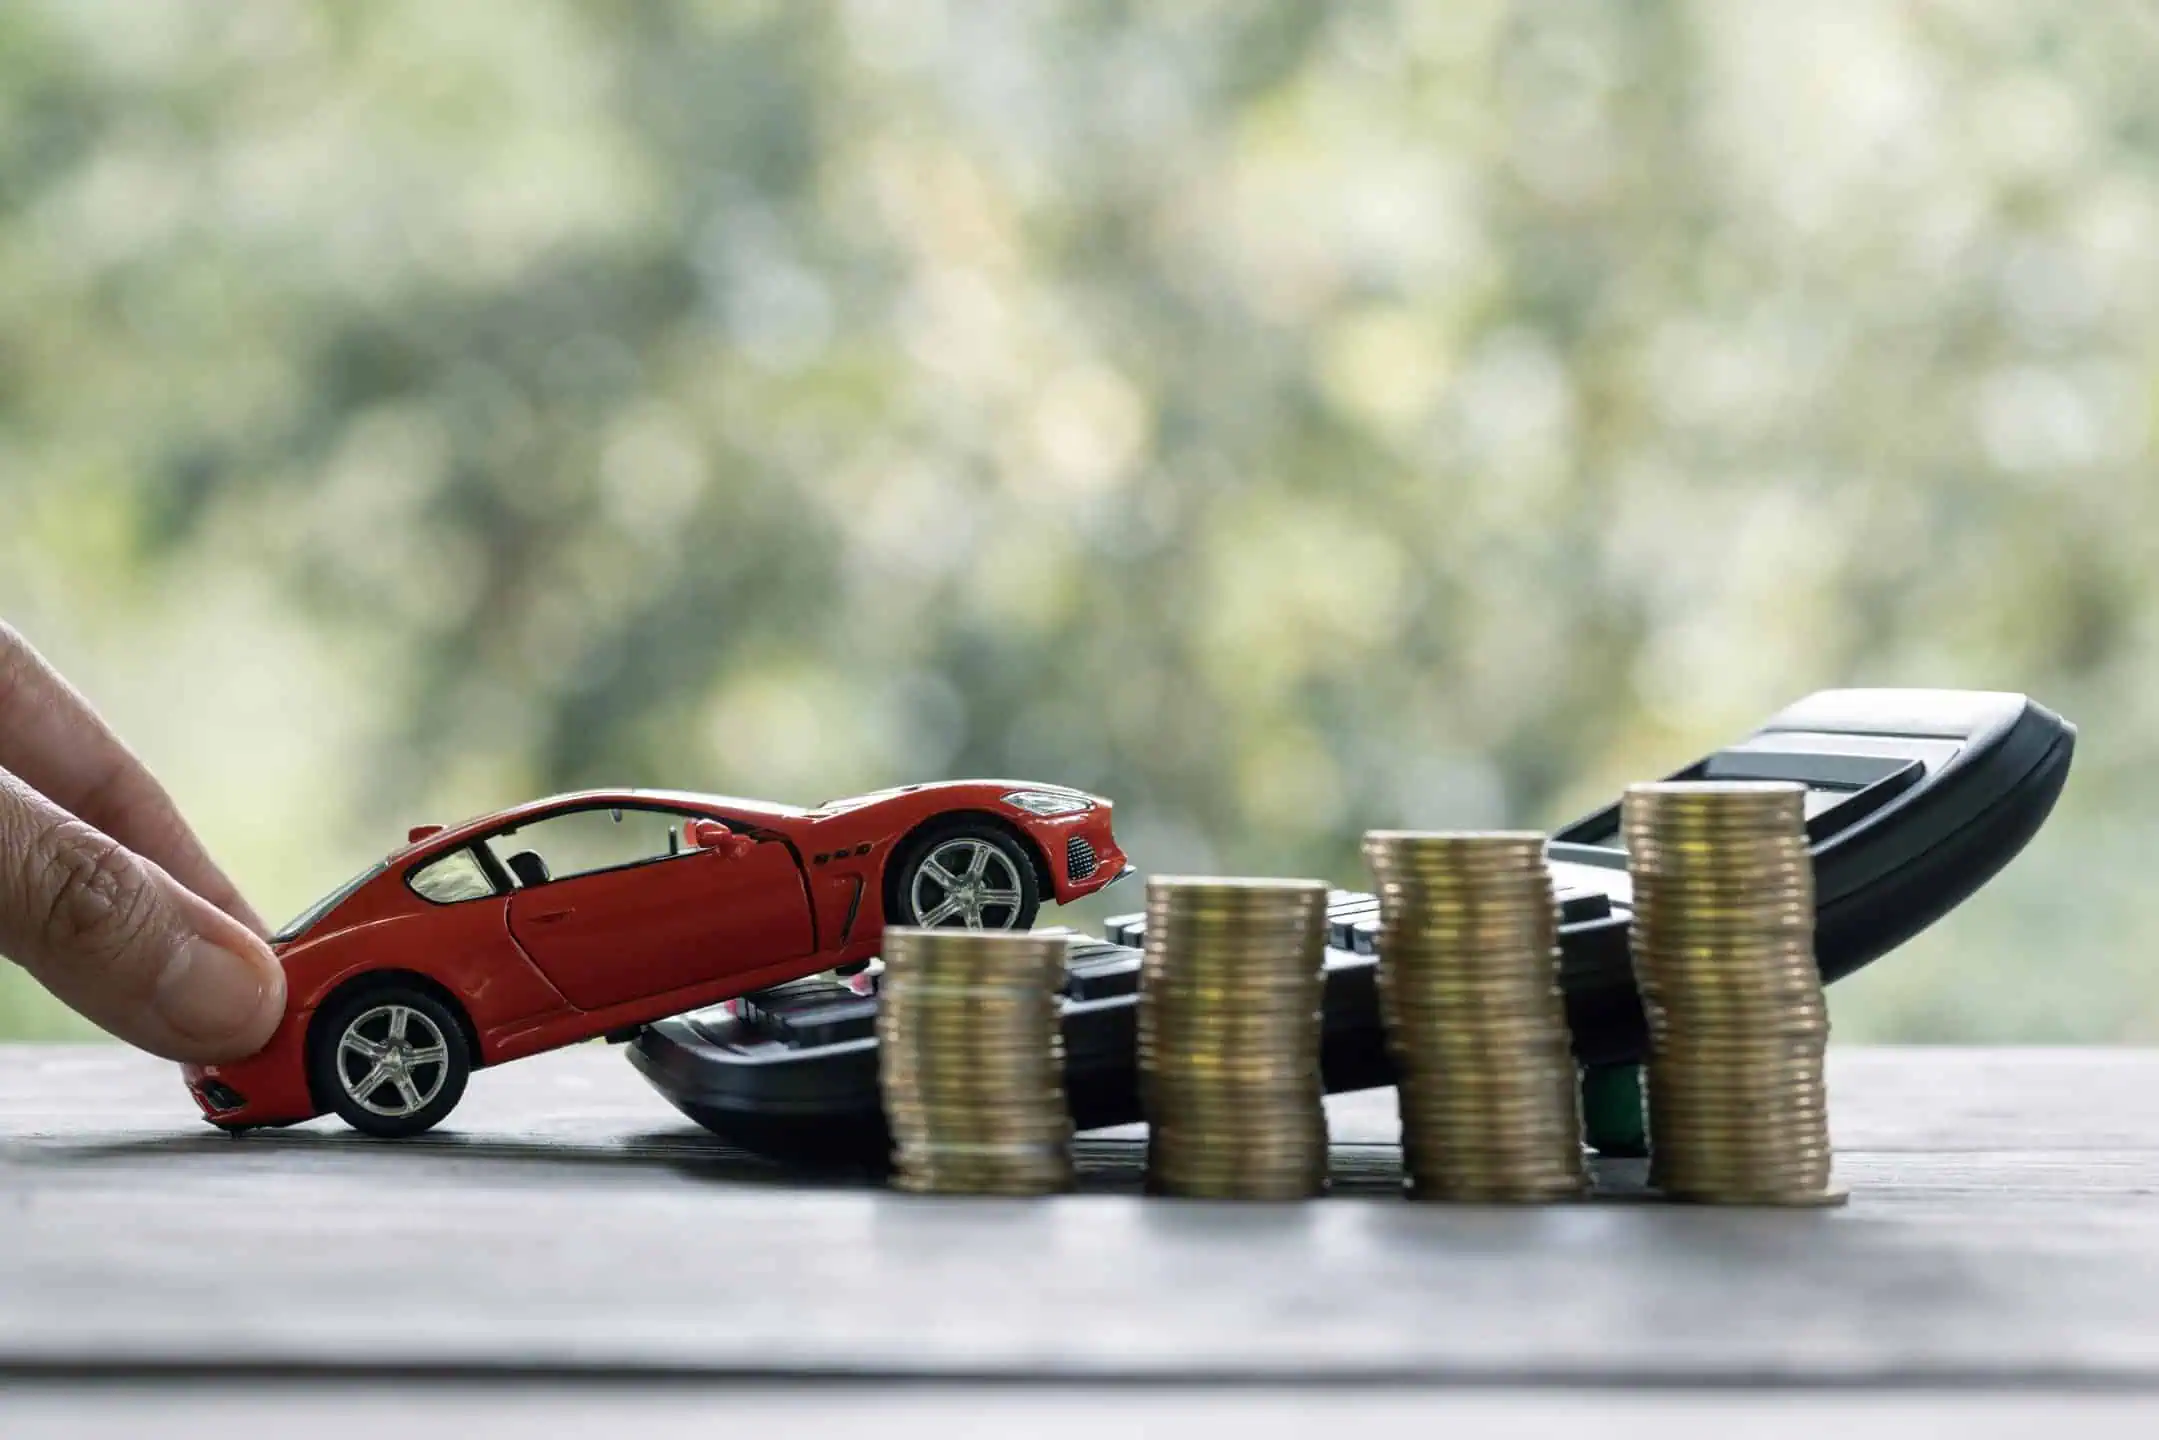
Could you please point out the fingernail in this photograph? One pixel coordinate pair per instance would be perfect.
(211, 994)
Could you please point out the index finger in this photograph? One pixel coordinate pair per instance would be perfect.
(55, 742)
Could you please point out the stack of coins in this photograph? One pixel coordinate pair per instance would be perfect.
(971, 1062)
(1469, 990)
(1723, 945)
(1229, 1031)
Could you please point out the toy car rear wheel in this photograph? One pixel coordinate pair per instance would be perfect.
(391, 1061)
(970, 875)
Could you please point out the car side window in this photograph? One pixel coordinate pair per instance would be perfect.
(581, 842)
(456, 876)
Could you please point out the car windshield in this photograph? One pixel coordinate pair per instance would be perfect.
(312, 916)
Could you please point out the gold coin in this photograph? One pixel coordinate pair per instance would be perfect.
(1722, 944)
(1469, 991)
(1231, 984)
(971, 1062)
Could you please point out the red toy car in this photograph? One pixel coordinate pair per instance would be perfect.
(588, 914)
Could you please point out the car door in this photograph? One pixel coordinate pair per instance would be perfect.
(620, 906)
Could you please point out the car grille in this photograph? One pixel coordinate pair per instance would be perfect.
(1080, 860)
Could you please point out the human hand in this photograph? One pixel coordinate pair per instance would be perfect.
(106, 896)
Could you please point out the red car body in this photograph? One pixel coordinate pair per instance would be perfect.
(531, 968)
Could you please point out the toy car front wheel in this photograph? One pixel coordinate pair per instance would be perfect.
(972, 876)
(391, 1062)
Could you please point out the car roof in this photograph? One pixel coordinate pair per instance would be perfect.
(467, 830)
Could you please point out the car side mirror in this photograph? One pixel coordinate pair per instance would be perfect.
(712, 835)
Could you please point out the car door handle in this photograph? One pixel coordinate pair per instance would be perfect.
(549, 917)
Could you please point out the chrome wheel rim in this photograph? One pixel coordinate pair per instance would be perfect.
(966, 882)
(392, 1061)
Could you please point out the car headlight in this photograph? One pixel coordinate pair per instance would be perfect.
(1048, 803)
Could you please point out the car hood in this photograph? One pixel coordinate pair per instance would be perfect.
(970, 790)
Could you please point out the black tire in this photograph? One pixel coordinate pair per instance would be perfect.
(412, 1094)
(994, 855)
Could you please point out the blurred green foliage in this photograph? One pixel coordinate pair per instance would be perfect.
(1286, 418)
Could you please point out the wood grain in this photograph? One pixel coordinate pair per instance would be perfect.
(2004, 1230)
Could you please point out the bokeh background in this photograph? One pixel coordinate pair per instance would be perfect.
(1285, 418)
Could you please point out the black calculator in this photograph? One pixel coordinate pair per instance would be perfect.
(1916, 798)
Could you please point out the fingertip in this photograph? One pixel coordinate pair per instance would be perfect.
(221, 999)
(226, 897)
(249, 916)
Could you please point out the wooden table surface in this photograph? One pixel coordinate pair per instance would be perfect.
(571, 1250)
